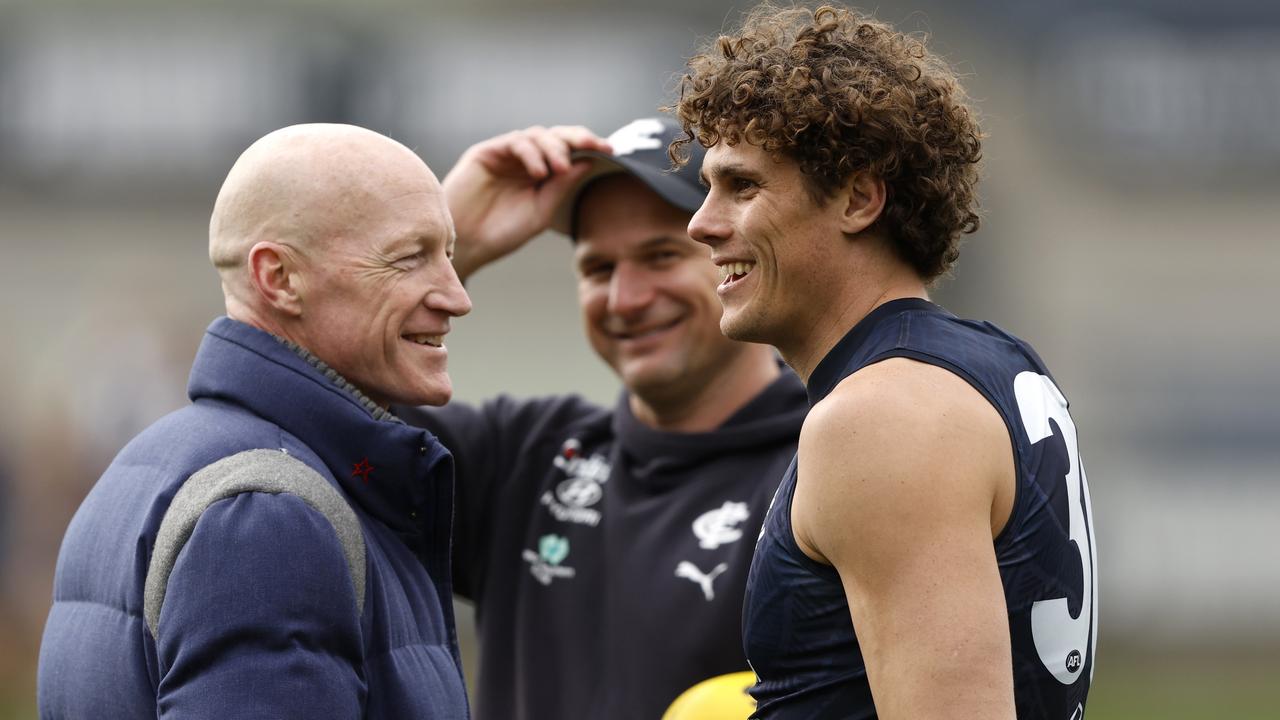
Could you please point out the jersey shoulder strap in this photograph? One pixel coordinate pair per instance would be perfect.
(262, 471)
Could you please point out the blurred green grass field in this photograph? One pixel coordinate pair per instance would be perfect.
(1186, 685)
(1129, 685)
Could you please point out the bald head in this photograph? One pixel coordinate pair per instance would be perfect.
(303, 187)
(338, 239)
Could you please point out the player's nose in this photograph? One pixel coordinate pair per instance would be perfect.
(630, 290)
(709, 225)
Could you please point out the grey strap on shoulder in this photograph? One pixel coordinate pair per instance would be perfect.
(262, 471)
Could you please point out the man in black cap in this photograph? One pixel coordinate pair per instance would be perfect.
(606, 549)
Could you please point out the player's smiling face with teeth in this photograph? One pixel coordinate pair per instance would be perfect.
(771, 241)
(646, 289)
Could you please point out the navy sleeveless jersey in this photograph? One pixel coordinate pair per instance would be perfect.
(796, 626)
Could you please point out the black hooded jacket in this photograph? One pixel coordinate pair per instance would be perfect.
(607, 560)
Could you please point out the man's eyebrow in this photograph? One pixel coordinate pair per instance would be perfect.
(729, 169)
(591, 256)
(660, 241)
(583, 252)
(400, 245)
(587, 258)
(415, 243)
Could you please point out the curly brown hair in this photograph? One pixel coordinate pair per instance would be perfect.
(839, 92)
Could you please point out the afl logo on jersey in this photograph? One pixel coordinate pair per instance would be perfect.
(1074, 661)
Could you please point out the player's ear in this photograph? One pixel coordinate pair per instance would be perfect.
(273, 272)
(863, 198)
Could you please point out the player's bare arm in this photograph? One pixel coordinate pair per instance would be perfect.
(502, 191)
(905, 477)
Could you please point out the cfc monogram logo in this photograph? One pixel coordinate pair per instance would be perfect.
(717, 527)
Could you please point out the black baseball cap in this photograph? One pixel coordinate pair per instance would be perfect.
(640, 150)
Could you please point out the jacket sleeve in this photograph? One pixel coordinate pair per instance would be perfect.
(260, 617)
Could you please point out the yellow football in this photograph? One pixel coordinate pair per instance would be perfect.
(720, 698)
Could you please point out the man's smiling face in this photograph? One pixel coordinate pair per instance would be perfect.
(380, 294)
(646, 289)
(778, 250)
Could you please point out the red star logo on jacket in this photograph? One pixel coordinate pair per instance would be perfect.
(362, 470)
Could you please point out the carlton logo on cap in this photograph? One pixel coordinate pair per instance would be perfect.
(640, 150)
(642, 134)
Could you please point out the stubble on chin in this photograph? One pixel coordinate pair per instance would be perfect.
(739, 326)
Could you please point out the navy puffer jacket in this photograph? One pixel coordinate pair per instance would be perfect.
(260, 614)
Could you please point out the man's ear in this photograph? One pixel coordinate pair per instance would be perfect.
(864, 197)
(273, 271)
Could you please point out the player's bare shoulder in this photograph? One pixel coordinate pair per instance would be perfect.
(893, 444)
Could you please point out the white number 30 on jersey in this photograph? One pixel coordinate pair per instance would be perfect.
(1063, 642)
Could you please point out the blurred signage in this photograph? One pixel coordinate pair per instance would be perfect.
(1173, 105)
(448, 85)
(140, 100)
(148, 97)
